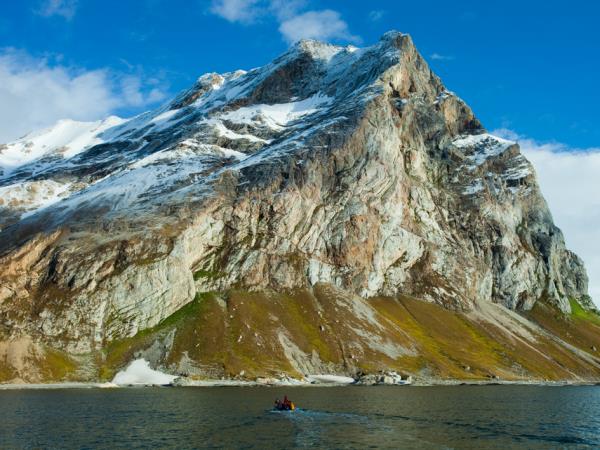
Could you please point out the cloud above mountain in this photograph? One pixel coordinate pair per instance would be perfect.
(241, 11)
(569, 181)
(322, 25)
(61, 8)
(295, 22)
(440, 57)
(36, 92)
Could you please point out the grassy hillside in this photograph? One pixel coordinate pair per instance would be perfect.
(255, 334)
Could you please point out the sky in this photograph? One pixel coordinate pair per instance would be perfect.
(529, 69)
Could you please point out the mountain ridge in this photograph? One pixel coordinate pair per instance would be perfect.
(350, 168)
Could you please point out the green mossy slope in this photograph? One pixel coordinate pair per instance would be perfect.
(255, 334)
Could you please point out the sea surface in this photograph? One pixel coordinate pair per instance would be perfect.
(462, 417)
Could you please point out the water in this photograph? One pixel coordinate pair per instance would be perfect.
(501, 417)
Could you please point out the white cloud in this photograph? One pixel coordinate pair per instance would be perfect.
(35, 93)
(242, 11)
(63, 8)
(286, 9)
(439, 57)
(323, 25)
(248, 11)
(570, 181)
(293, 23)
(134, 95)
(376, 15)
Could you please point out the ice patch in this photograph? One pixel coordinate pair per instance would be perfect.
(138, 372)
(330, 379)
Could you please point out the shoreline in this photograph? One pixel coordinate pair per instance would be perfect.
(241, 383)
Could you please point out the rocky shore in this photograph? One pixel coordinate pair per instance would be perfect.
(299, 383)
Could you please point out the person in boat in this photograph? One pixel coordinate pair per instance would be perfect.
(285, 405)
(288, 405)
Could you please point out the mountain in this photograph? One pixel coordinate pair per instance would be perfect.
(335, 211)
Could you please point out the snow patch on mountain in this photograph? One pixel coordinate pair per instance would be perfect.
(222, 130)
(66, 138)
(278, 115)
(165, 116)
(520, 169)
(483, 146)
(31, 196)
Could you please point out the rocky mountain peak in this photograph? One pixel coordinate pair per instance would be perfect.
(313, 48)
(351, 168)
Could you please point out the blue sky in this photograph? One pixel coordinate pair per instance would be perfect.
(528, 68)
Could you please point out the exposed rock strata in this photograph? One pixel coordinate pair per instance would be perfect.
(350, 167)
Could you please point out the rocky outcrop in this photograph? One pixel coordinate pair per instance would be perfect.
(348, 167)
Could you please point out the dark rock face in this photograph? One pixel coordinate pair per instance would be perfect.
(350, 167)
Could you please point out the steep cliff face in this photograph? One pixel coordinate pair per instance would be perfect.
(352, 168)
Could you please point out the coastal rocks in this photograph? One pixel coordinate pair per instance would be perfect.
(388, 378)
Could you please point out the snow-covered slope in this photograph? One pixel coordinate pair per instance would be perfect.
(219, 122)
(65, 139)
